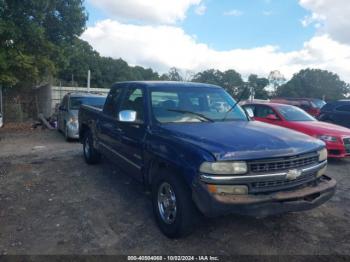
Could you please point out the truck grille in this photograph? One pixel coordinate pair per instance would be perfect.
(268, 186)
(347, 144)
(275, 165)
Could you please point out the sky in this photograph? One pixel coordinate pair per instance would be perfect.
(254, 36)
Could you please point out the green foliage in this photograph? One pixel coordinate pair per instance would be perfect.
(259, 85)
(314, 83)
(33, 35)
(172, 75)
(230, 80)
(104, 70)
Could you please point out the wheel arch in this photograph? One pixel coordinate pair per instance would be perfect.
(156, 165)
(83, 129)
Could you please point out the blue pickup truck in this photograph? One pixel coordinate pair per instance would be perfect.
(199, 153)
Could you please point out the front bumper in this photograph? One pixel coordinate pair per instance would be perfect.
(73, 131)
(336, 150)
(299, 198)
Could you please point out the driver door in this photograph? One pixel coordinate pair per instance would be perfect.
(132, 133)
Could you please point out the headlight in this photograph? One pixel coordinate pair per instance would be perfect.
(322, 155)
(73, 121)
(224, 168)
(327, 138)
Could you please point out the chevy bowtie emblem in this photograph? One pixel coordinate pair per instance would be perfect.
(293, 174)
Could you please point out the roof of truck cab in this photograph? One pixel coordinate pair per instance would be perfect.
(85, 94)
(168, 84)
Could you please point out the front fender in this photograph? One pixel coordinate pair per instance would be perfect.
(184, 157)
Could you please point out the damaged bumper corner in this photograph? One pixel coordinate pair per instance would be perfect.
(261, 205)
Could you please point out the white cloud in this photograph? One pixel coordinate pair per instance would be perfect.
(233, 12)
(314, 18)
(162, 47)
(330, 17)
(154, 11)
(201, 9)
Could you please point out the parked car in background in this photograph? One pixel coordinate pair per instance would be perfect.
(337, 112)
(172, 138)
(67, 119)
(337, 138)
(310, 105)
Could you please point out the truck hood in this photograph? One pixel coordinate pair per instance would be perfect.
(243, 140)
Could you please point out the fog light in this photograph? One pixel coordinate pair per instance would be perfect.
(228, 189)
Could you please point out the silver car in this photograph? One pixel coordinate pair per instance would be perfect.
(68, 112)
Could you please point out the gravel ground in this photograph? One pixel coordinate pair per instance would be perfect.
(51, 202)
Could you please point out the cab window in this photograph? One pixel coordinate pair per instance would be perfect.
(112, 100)
(264, 111)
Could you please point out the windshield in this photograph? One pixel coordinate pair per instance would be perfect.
(186, 104)
(317, 103)
(292, 113)
(75, 102)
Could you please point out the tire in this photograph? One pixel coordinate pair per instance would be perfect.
(181, 221)
(91, 155)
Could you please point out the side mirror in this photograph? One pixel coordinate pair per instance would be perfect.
(127, 116)
(272, 117)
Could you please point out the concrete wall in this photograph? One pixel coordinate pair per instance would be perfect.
(25, 104)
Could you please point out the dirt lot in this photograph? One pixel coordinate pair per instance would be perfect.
(51, 202)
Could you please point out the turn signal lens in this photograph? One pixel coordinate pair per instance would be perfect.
(322, 155)
(228, 189)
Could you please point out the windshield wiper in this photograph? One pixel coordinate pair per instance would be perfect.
(192, 113)
(235, 104)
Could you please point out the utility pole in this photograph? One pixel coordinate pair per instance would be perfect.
(88, 81)
(1, 107)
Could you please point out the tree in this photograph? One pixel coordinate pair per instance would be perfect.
(259, 85)
(230, 80)
(276, 79)
(80, 58)
(314, 83)
(172, 75)
(33, 35)
(210, 76)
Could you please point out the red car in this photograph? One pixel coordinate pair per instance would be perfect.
(310, 105)
(337, 138)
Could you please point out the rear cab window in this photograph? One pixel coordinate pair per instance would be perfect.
(344, 108)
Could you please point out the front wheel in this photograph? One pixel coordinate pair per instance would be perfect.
(173, 207)
(91, 155)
